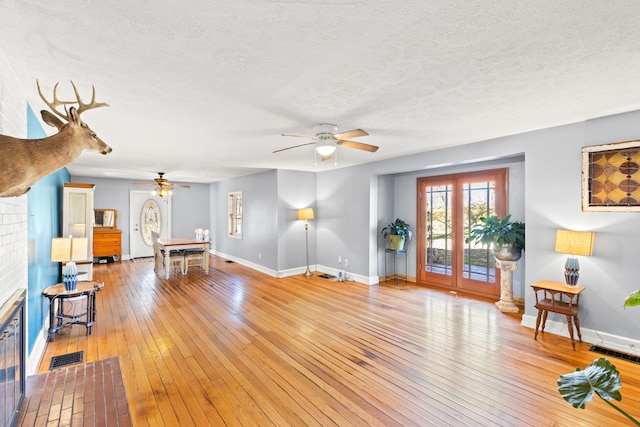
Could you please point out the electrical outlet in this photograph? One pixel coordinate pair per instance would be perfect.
(346, 262)
(339, 259)
(259, 255)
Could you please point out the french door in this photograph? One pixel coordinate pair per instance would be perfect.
(448, 207)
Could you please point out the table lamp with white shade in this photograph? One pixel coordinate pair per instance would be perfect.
(573, 243)
(68, 250)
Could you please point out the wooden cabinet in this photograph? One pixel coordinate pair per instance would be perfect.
(107, 239)
(106, 242)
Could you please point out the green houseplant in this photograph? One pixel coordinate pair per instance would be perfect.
(600, 378)
(398, 232)
(506, 236)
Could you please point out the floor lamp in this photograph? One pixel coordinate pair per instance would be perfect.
(306, 214)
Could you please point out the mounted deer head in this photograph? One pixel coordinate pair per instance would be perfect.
(25, 161)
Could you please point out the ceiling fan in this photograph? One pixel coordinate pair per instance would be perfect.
(327, 140)
(162, 186)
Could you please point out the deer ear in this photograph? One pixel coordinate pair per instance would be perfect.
(74, 117)
(51, 120)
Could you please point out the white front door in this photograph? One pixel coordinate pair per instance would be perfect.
(147, 213)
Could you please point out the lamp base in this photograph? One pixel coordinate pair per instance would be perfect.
(70, 276)
(308, 273)
(571, 269)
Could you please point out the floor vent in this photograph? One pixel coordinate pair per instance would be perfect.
(613, 353)
(326, 276)
(229, 261)
(143, 259)
(66, 360)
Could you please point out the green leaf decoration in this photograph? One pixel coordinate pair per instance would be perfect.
(632, 300)
(601, 377)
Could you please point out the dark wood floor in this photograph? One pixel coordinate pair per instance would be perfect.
(236, 347)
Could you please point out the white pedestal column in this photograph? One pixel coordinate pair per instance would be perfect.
(506, 304)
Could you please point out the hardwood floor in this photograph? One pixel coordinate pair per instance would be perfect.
(238, 347)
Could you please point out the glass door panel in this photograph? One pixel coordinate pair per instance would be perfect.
(478, 202)
(437, 238)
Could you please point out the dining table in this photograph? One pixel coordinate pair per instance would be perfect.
(181, 244)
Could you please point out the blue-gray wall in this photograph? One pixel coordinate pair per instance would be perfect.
(259, 244)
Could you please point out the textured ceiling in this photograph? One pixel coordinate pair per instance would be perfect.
(202, 90)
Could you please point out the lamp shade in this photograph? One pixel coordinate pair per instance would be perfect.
(305, 213)
(60, 249)
(64, 249)
(79, 247)
(574, 242)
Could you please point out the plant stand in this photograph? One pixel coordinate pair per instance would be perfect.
(506, 304)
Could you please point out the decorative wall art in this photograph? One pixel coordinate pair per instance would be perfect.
(611, 177)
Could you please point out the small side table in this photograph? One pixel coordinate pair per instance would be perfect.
(559, 298)
(60, 320)
(394, 254)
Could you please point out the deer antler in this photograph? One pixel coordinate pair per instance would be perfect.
(81, 105)
(84, 107)
(56, 102)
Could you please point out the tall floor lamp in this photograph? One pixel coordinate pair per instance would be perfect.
(306, 214)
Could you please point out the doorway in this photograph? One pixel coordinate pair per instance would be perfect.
(147, 213)
(448, 207)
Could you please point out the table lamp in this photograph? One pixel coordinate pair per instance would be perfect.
(306, 214)
(68, 250)
(573, 243)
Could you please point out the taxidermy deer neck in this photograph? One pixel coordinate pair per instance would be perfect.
(25, 161)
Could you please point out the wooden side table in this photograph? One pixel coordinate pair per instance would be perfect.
(559, 298)
(60, 319)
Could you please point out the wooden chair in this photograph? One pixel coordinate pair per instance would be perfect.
(194, 257)
(176, 259)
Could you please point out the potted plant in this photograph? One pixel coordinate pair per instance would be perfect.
(506, 236)
(398, 232)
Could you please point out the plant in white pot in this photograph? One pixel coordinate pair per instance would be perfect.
(398, 232)
(506, 236)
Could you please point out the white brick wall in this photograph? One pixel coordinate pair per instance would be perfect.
(13, 210)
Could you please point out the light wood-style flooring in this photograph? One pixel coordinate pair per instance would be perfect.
(239, 348)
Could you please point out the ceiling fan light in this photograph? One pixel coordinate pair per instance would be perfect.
(154, 192)
(325, 150)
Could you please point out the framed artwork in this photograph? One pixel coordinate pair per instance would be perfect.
(611, 177)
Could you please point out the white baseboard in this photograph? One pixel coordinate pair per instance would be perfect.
(591, 336)
(351, 277)
(246, 263)
(40, 345)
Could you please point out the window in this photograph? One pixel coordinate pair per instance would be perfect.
(235, 214)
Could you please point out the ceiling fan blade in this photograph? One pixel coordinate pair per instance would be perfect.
(295, 146)
(350, 134)
(298, 136)
(179, 185)
(358, 145)
(144, 183)
(327, 157)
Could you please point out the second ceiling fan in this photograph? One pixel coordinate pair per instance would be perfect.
(327, 140)
(162, 186)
